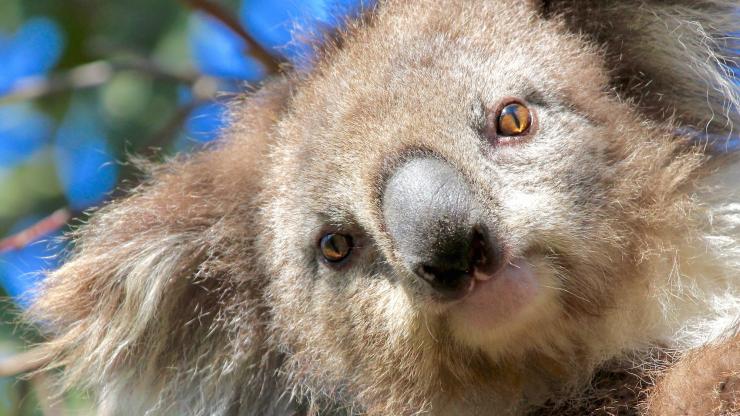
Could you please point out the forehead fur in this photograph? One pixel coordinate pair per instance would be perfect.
(417, 73)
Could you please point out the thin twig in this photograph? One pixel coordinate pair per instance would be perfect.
(84, 76)
(147, 66)
(93, 74)
(271, 64)
(23, 362)
(52, 223)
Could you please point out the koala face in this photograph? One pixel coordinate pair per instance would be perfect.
(466, 208)
(483, 192)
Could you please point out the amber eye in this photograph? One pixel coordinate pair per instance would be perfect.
(514, 119)
(335, 247)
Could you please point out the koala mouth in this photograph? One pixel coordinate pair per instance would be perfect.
(496, 303)
(498, 299)
(503, 306)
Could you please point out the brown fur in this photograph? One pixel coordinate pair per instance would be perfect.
(201, 293)
(709, 376)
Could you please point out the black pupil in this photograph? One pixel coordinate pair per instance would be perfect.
(335, 247)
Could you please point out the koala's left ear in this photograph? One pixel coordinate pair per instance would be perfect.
(163, 288)
(677, 59)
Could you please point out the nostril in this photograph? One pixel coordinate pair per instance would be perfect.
(449, 281)
(482, 255)
(451, 271)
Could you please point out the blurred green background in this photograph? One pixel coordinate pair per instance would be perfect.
(131, 106)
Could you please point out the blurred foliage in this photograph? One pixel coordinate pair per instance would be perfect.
(86, 83)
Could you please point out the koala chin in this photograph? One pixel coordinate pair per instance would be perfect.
(461, 208)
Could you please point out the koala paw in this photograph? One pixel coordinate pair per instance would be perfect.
(705, 382)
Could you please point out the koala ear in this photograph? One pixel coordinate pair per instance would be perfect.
(676, 59)
(163, 288)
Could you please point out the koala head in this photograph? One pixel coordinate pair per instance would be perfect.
(451, 194)
(451, 209)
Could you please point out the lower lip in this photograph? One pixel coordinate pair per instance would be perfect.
(496, 299)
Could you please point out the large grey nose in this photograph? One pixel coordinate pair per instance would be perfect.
(435, 223)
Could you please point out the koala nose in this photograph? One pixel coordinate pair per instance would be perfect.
(435, 223)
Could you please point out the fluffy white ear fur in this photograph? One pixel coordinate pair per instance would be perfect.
(721, 286)
(696, 292)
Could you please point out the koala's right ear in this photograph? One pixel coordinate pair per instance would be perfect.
(676, 59)
(162, 292)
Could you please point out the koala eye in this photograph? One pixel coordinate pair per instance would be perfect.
(508, 122)
(335, 247)
(514, 119)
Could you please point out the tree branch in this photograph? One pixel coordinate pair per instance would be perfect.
(23, 362)
(52, 223)
(271, 64)
(89, 75)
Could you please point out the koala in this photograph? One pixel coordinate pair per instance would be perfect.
(460, 208)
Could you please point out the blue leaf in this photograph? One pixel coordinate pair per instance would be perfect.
(23, 130)
(206, 121)
(730, 145)
(274, 24)
(85, 164)
(22, 269)
(715, 143)
(32, 51)
(219, 52)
